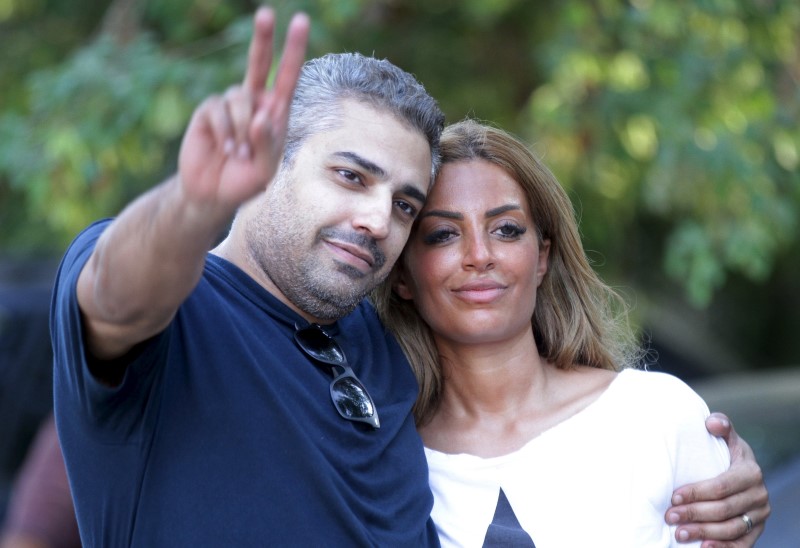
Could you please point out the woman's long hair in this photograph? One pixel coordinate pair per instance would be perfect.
(578, 319)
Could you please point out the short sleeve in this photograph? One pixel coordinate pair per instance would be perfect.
(77, 393)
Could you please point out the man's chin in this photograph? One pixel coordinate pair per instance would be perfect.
(352, 273)
(329, 302)
(329, 310)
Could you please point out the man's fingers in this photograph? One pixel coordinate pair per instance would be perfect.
(743, 475)
(220, 124)
(734, 529)
(721, 521)
(211, 119)
(259, 57)
(721, 510)
(719, 425)
(745, 542)
(239, 104)
(272, 109)
(294, 52)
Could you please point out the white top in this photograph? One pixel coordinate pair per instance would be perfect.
(603, 477)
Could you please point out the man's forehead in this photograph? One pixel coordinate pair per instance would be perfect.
(364, 112)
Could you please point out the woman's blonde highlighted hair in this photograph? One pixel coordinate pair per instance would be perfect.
(578, 319)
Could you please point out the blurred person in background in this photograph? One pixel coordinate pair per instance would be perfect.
(40, 512)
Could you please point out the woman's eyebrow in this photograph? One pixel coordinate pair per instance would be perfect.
(442, 213)
(495, 211)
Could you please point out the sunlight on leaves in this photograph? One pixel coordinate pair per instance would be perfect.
(627, 72)
(785, 150)
(639, 137)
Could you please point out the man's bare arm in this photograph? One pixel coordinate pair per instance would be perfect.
(151, 257)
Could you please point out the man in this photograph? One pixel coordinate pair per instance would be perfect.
(209, 424)
(196, 401)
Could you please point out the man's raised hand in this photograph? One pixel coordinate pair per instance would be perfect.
(234, 142)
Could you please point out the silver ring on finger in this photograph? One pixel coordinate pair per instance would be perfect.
(748, 523)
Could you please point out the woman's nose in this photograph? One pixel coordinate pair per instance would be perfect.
(478, 253)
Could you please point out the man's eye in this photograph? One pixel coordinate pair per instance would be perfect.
(406, 208)
(349, 176)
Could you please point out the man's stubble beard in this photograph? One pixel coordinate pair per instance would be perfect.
(283, 253)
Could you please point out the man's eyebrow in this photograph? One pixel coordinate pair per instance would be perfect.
(362, 162)
(378, 171)
(414, 192)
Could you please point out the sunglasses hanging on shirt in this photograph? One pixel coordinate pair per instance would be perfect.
(350, 397)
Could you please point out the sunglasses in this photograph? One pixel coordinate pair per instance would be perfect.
(349, 396)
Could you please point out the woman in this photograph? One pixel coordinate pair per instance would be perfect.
(537, 427)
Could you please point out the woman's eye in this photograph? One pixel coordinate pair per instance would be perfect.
(439, 236)
(511, 231)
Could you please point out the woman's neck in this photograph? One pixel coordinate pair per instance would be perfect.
(491, 379)
(497, 397)
(489, 389)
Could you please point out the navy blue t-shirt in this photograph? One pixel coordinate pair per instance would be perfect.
(223, 433)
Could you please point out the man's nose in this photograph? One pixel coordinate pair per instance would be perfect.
(374, 215)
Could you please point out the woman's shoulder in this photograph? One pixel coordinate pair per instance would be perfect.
(584, 385)
(660, 394)
(633, 383)
(653, 382)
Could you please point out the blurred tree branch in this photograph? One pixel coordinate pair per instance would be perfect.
(121, 21)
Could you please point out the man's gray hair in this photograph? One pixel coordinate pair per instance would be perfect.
(327, 80)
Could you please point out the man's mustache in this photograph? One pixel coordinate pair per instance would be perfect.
(361, 240)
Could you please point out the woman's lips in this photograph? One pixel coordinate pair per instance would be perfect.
(480, 291)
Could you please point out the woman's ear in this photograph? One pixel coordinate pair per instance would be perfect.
(543, 261)
(399, 284)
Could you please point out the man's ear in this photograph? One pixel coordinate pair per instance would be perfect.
(399, 284)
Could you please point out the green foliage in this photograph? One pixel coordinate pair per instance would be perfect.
(99, 129)
(682, 110)
(673, 123)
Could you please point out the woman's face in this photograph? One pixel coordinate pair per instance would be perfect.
(473, 263)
